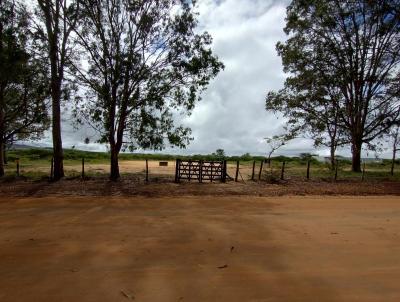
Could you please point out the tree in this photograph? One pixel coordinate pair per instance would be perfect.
(394, 137)
(220, 154)
(55, 32)
(275, 142)
(306, 156)
(354, 48)
(246, 157)
(23, 89)
(308, 112)
(145, 63)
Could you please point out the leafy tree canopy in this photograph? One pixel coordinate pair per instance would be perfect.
(343, 59)
(23, 80)
(147, 63)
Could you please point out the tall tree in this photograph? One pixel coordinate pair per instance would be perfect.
(394, 139)
(355, 47)
(58, 18)
(311, 110)
(23, 87)
(145, 63)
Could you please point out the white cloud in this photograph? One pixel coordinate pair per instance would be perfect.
(232, 114)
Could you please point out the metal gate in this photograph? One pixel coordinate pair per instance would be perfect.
(200, 170)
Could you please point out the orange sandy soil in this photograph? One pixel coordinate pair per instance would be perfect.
(139, 166)
(237, 248)
(134, 166)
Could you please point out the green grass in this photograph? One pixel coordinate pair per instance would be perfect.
(318, 170)
(38, 154)
(35, 164)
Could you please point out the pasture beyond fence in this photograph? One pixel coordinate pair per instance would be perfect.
(201, 171)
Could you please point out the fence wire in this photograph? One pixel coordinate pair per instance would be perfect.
(156, 171)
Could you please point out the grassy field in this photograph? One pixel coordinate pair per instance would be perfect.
(35, 164)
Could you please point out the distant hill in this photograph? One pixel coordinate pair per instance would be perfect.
(22, 146)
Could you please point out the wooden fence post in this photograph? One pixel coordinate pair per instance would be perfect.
(308, 169)
(177, 163)
(261, 167)
(52, 168)
(252, 173)
(363, 172)
(83, 168)
(224, 171)
(211, 171)
(147, 170)
(336, 169)
(283, 171)
(200, 171)
(190, 170)
(237, 171)
(18, 167)
(392, 168)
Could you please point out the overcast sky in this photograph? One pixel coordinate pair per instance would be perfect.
(232, 114)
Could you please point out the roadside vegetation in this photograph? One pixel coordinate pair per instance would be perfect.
(35, 164)
(127, 68)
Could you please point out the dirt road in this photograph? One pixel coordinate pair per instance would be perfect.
(200, 249)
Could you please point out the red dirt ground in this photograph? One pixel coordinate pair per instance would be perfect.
(210, 248)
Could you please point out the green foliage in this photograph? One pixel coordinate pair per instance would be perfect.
(308, 157)
(271, 176)
(246, 157)
(277, 141)
(146, 62)
(286, 159)
(343, 61)
(219, 154)
(23, 80)
(35, 165)
(40, 154)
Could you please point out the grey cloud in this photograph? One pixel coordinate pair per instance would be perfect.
(231, 115)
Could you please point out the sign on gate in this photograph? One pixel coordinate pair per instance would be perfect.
(200, 170)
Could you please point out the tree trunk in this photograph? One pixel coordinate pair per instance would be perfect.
(2, 111)
(356, 157)
(393, 161)
(56, 71)
(56, 131)
(114, 173)
(2, 128)
(332, 155)
(1, 158)
(2, 144)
